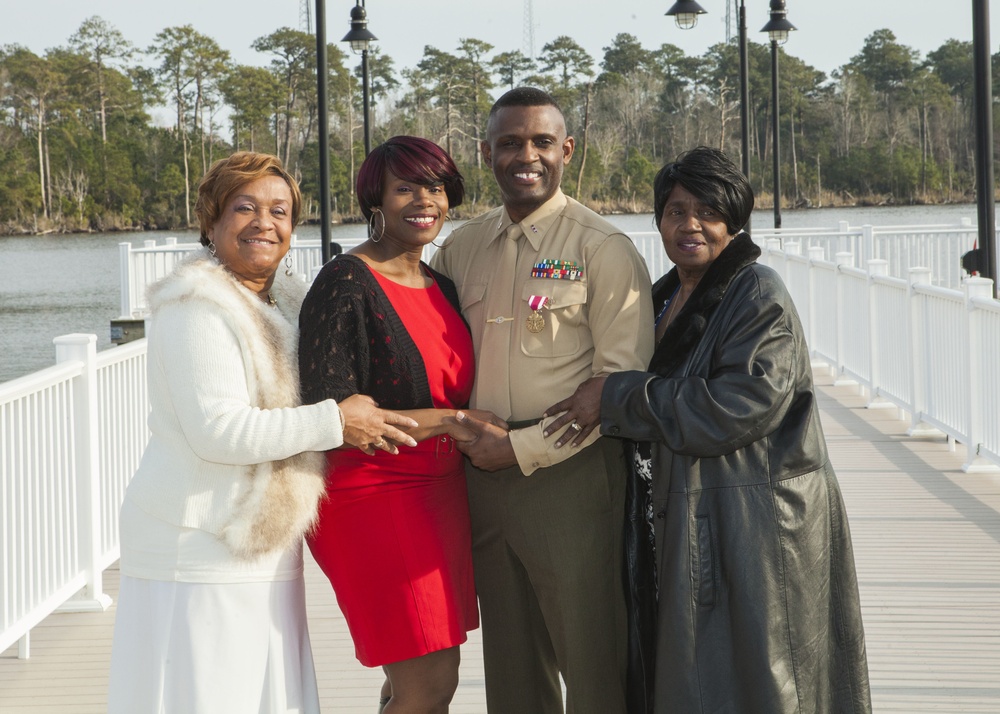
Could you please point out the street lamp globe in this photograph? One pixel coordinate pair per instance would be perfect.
(685, 13)
(778, 27)
(359, 36)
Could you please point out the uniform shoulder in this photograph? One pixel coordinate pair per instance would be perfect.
(476, 226)
(590, 219)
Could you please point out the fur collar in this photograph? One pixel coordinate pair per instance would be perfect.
(279, 498)
(201, 276)
(688, 327)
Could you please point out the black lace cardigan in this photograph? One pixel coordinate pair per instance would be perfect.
(352, 341)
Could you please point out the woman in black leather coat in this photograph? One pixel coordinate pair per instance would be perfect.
(758, 608)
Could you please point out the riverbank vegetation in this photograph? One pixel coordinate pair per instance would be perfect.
(79, 149)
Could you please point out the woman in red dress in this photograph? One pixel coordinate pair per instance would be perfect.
(393, 534)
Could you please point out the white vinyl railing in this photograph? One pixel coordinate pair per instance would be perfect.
(71, 435)
(937, 247)
(928, 350)
(141, 267)
(70, 438)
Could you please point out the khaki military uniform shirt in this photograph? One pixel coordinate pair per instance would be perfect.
(598, 315)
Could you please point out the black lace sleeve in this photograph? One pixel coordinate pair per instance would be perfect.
(333, 350)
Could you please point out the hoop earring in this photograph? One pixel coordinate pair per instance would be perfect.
(288, 264)
(447, 217)
(212, 249)
(371, 226)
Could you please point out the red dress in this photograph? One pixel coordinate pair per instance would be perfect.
(393, 534)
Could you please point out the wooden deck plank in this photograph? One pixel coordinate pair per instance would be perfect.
(927, 544)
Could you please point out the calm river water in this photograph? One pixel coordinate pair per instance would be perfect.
(55, 285)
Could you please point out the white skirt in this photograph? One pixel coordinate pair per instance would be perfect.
(203, 648)
(200, 632)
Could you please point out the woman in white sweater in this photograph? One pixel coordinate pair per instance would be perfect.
(211, 610)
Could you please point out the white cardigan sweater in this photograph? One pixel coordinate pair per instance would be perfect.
(227, 432)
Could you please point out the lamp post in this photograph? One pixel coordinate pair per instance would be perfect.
(326, 245)
(359, 37)
(685, 14)
(777, 29)
(744, 99)
(986, 257)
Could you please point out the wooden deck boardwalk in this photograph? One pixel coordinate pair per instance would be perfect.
(927, 544)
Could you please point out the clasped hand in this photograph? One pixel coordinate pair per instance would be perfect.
(489, 447)
(581, 413)
(370, 428)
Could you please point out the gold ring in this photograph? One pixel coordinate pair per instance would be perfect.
(575, 427)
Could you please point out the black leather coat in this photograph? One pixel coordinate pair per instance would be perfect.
(758, 609)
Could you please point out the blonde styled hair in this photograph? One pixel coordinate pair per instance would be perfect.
(229, 175)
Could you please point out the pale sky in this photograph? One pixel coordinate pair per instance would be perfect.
(829, 33)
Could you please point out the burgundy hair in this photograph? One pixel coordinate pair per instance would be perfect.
(409, 158)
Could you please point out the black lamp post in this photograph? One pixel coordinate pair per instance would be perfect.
(685, 13)
(325, 242)
(360, 38)
(985, 256)
(777, 29)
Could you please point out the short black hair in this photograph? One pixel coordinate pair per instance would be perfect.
(410, 158)
(711, 177)
(521, 97)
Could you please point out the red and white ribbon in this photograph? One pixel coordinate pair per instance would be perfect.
(537, 302)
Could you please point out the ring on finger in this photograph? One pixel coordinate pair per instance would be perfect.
(575, 427)
(378, 443)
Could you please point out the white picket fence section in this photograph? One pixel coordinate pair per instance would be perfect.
(937, 247)
(928, 350)
(72, 435)
(141, 267)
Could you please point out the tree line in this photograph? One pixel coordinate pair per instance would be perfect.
(80, 150)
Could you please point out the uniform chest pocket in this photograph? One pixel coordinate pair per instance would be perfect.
(565, 315)
(470, 297)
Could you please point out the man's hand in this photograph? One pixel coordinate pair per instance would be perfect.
(581, 412)
(491, 449)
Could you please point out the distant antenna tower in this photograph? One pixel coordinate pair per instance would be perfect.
(730, 9)
(529, 30)
(305, 17)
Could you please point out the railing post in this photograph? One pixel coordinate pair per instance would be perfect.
(83, 348)
(876, 268)
(788, 248)
(772, 247)
(919, 378)
(977, 288)
(844, 260)
(868, 251)
(125, 278)
(816, 255)
(843, 244)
